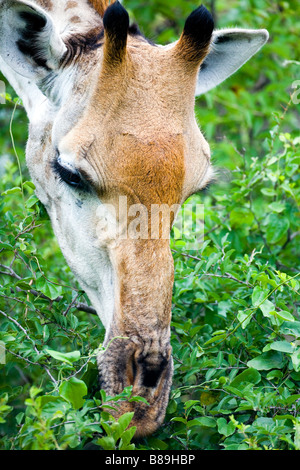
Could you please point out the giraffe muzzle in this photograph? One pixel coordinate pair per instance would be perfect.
(148, 370)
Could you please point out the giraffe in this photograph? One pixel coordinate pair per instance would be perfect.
(111, 117)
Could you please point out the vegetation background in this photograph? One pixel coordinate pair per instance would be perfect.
(236, 324)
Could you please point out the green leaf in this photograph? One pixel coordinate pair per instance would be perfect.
(106, 442)
(282, 346)
(267, 307)
(23, 285)
(19, 417)
(188, 404)
(6, 246)
(249, 375)
(138, 400)
(53, 406)
(296, 360)
(203, 421)
(266, 361)
(277, 228)
(291, 328)
(31, 201)
(126, 439)
(49, 289)
(224, 428)
(244, 318)
(28, 184)
(268, 192)
(275, 374)
(179, 419)
(214, 339)
(73, 391)
(69, 357)
(285, 315)
(34, 391)
(157, 444)
(292, 399)
(15, 190)
(122, 424)
(241, 216)
(277, 207)
(258, 295)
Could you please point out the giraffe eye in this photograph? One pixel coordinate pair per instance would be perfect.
(71, 177)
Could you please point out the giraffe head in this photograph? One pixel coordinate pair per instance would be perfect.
(112, 138)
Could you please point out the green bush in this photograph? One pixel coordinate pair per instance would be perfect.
(236, 325)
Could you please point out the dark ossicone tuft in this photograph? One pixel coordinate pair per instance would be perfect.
(116, 26)
(199, 25)
(197, 33)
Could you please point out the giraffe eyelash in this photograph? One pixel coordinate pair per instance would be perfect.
(72, 179)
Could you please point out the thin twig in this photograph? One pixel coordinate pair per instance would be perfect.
(31, 341)
(78, 305)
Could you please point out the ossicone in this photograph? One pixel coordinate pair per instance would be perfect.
(116, 26)
(194, 42)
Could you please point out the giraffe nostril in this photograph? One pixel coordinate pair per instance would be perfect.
(152, 369)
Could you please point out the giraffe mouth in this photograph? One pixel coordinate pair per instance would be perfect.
(148, 371)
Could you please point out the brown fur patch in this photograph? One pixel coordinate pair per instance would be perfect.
(101, 5)
(75, 19)
(47, 4)
(71, 4)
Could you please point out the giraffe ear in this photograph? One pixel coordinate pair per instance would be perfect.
(29, 44)
(230, 49)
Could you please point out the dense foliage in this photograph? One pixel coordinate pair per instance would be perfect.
(236, 323)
